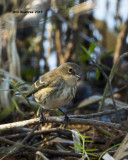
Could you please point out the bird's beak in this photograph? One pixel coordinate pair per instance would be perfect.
(78, 76)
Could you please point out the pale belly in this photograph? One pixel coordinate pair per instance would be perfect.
(50, 99)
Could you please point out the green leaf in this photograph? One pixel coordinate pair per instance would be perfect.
(97, 74)
(84, 49)
(58, 112)
(78, 145)
(87, 52)
(108, 150)
(88, 141)
(91, 154)
(16, 106)
(91, 48)
(37, 106)
(13, 84)
(91, 150)
(76, 149)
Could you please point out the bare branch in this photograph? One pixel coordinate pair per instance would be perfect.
(60, 120)
(46, 151)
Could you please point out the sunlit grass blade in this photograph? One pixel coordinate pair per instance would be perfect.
(108, 150)
(16, 106)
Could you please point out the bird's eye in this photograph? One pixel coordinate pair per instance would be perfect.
(70, 70)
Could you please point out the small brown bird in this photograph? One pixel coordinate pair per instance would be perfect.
(57, 87)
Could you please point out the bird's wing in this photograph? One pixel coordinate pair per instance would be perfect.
(35, 87)
(43, 82)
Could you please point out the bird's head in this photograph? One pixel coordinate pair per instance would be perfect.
(71, 72)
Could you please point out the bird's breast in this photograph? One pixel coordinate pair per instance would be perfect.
(53, 98)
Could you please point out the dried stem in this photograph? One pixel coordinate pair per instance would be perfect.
(60, 120)
(34, 149)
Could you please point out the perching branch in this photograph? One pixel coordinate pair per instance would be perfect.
(60, 120)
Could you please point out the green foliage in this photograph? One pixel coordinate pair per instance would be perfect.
(91, 48)
(97, 74)
(86, 54)
(17, 107)
(8, 110)
(81, 148)
(58, 112)
(17, 87)
(108, 150)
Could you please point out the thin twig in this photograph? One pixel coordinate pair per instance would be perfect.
(44, 141)
(118, 74)
(46, 151)
(59, 131)
(109, 84)
(60, 120)
(14, 149)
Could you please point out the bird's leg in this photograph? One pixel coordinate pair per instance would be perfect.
(41, 114)
(66, 118)
(42, 117)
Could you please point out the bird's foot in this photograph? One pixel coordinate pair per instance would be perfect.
(66, 119)
(40, 114)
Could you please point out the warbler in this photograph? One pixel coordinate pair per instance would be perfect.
(57, 87)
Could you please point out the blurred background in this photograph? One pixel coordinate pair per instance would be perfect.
(38, 35)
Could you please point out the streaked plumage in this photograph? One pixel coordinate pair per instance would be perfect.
(57, 87)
